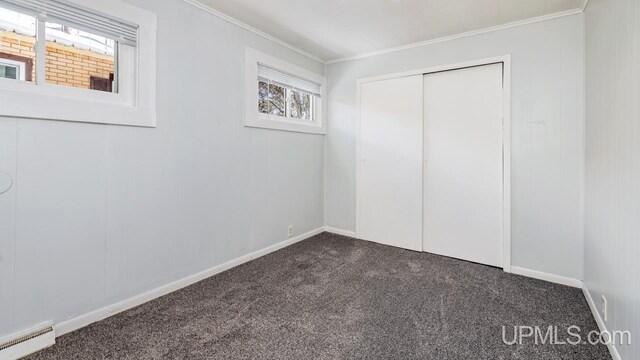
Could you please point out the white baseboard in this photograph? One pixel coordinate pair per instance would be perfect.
(28, 346)
(110, 310)
(340, 231)
(574, 283)
(601, 325)
(562, 280)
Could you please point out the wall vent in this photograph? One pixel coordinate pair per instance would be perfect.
(27, 342)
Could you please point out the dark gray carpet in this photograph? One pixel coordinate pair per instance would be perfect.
(332, 297)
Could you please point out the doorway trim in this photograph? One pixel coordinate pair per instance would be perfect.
(506, 139)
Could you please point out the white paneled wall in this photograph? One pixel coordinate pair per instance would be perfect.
(547, 133)
(7, 224)
(102, 213)
(612, 196)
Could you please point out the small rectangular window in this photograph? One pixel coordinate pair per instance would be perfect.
(94, 59)
(287, 96)
(282, 96)
(81, 45)
(11, 70)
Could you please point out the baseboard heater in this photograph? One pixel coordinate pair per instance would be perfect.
(27, 342)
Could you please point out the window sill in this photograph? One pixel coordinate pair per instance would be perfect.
(55, 102)
(284, 125)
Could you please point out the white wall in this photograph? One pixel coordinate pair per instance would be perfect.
(612, 196)
(547, 133)
(101, 213)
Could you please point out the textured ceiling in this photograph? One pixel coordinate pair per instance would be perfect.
(331, 29)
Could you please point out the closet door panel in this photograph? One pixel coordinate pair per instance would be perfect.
(463, 151)
(390, 176)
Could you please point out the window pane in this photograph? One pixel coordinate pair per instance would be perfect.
(271, 99)
(79, 59)
(300, 105)
(17, 45)
(263, 97)
(8, 72)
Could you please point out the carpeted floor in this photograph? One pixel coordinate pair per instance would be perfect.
(332, 297)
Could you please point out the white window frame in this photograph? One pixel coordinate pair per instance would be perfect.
(135, 102)
(253, 118)
(16, 64)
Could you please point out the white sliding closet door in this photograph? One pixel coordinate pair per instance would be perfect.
(463, 172)
(390, 176)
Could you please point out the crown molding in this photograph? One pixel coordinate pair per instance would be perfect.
(250, 28)
(212, 11)
(583, 7)
(463, 35)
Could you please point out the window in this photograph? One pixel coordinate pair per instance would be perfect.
(10, 68)
(82, 58)
(282, 96)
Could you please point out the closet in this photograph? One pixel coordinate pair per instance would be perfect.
(431, 163)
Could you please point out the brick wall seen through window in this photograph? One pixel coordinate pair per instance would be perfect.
(64, 65)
